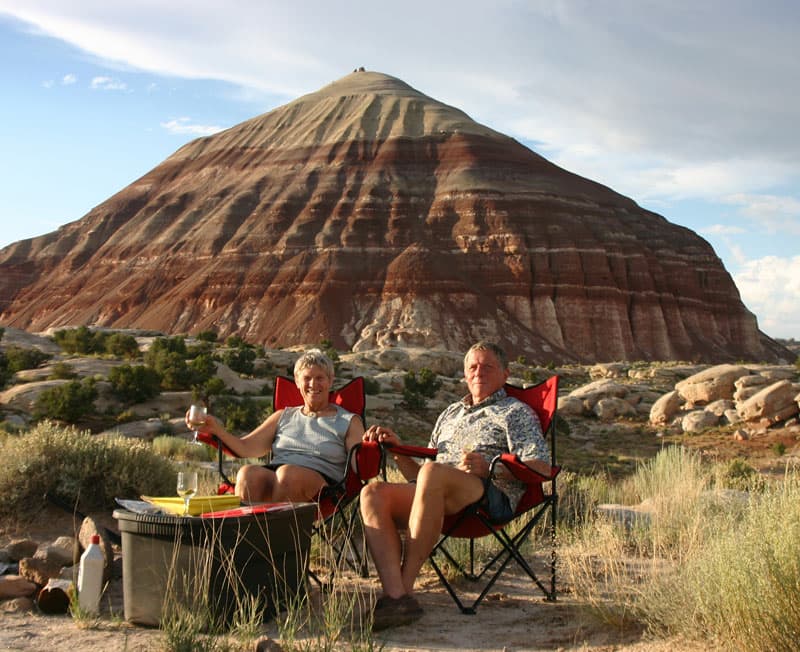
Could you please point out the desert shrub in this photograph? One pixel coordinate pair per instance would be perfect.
(19, 358)
(326, 346)
(63, 371)
(241, 359)
(134, 384)
(417, 388)
(207, 336)
(242, 414)
(122, 345)
(203, 367)
(235, 342)
(5, 374)
(739, 475)
(78, 468)
(69, 402)
(80, 340)
(741, 587)
(371, 386)
(177, 448)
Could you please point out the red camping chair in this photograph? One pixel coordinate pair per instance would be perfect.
(473, 522)
(337, 503)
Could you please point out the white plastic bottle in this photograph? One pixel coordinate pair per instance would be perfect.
(90, 577)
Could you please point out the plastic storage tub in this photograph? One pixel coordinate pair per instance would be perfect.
(217, 565)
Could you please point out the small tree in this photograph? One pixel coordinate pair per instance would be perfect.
(69, 403)
(418, 388)
(241, 360)
(134, 384)
(19, 358)
(80, 340)
(122, 345)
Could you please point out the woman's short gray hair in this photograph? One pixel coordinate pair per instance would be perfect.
(313, 358)
(483, 345)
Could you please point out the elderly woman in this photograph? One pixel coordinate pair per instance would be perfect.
(309, 444)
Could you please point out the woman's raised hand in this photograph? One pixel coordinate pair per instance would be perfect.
(382, 435)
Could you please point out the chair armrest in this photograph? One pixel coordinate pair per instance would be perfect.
(366, 460)
(411, 451)
(215, 442)
(522, 471)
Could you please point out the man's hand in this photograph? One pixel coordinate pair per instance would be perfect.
(474, 463)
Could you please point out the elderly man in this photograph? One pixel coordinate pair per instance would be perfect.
(467, 435)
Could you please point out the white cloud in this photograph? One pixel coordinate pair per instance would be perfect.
(108, 84)
(773, 213)
(69, 79)
(770, 287)
(722, 229)
(184, 126)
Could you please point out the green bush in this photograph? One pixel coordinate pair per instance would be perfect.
(5, 374)
(171, 366)
(19, 359)
(78, 468)
(417, 388)
(241, 360)
(80, 340)
(236, 342)
(122, 345)
(207, 336)
(69, 402)
(241, 415)
(63, 371)
(371, 386)
(134, 384)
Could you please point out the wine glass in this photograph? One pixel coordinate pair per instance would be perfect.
(197, 417)
(187, 487)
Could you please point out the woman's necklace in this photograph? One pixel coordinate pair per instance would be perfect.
(311, 413)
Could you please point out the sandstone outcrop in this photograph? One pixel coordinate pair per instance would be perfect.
(372, 215)
(730, 394)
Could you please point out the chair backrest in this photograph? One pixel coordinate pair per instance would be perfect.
(543, 398)
(351, 397)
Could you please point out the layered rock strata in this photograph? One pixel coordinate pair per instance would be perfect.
(372, 215)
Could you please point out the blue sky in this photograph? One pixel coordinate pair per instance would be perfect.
(689, 108)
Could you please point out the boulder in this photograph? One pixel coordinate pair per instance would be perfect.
(665, 408)
(23, 397)
(250, 386)
(570, 406)
(627, 516)
(597, 390)
(608, 409)
(774, 403)
(710, 384)
(608, 370)
(39, 571)
(63, 551)
(720, 407)
(699, 420)
(18, 605)
(20, 548)
(16, 586)
(172, 403)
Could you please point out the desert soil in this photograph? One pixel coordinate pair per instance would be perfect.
(514, 617)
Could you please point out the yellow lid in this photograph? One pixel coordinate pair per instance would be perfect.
(197, 504)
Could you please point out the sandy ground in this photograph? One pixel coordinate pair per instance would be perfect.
(514, 617)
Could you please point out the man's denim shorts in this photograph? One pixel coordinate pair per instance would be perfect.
(496, 504)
